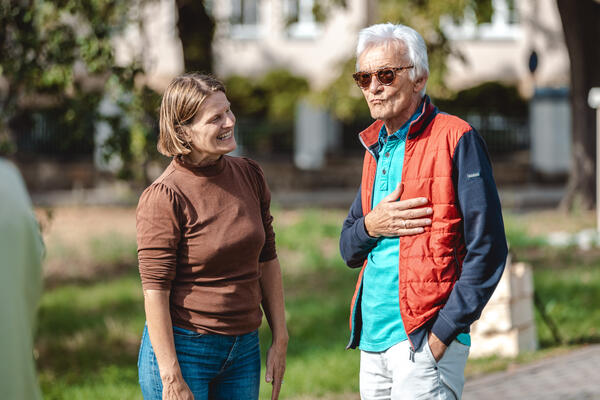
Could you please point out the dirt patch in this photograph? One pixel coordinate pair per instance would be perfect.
(86, 243)
(541, 223)
(75, 225)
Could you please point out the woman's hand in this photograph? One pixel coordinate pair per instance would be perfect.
(175, 388)
(160, 329)
(273, 305)
(398, 218)
(276, 367)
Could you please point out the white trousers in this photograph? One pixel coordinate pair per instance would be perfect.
(393, 375)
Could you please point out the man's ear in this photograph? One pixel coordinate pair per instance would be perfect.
(420, 83)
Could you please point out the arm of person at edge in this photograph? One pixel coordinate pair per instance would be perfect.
(160, 329)
(484, 239)
(273, 305)
(389, 218)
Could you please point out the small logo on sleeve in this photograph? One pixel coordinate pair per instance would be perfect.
(473, 175)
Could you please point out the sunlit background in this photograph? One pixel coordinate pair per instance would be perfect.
(80, 86)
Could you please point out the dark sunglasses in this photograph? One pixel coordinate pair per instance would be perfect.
(385, 76)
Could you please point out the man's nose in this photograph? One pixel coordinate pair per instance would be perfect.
(374, 85)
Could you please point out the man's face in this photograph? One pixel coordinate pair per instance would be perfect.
(395, 103)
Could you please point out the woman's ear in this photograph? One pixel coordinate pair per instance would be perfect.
(184, 133)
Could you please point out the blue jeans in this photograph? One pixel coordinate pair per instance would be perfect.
(214, 366)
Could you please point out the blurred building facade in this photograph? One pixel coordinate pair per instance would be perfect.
(155, 42)
(254, 36)
(524, 46)
(501, 49)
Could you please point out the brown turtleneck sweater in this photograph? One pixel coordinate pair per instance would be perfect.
(201, 232)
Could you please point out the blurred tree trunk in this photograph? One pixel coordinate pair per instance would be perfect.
(196, 31)
(581, 25)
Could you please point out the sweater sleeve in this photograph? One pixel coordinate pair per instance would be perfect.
(484, 239)
(355, 242)
(158, 236)
(268, 251)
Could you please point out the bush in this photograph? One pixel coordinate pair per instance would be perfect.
(265, 109)
(486, 98)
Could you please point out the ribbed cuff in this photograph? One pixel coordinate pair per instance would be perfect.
(361, 232)
(444, 330)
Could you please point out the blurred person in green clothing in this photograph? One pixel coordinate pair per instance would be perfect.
(21, 250)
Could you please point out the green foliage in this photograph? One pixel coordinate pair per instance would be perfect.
(273, 96)
(265, 108)
(41, 41)
(342, 97)
(486, 98)
(57, 58)
(134, 128)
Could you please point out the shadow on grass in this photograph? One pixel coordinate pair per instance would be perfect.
(90, 325)
(82, 328)
(567, 302)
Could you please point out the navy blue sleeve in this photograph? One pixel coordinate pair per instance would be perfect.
(355, 242)
(484, 238)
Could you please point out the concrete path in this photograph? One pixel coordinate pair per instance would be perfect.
(573, 376)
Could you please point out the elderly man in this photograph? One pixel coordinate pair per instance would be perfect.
(426, 228)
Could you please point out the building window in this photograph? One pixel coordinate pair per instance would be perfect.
(505, 24)
(244, 18)
(300, 19)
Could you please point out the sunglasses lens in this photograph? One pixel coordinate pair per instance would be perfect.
(363, 79)
(386, 76)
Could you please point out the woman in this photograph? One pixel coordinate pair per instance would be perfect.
(207, 259)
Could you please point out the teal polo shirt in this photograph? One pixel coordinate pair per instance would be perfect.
(382, 325)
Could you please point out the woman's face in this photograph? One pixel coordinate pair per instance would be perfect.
(211, 132)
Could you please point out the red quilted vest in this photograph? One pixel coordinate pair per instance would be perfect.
(429, 263)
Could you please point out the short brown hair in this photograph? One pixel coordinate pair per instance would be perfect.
(180, 104)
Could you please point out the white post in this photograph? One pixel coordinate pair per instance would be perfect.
(594, 102)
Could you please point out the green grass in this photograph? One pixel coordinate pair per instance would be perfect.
(518, 237)
(571, 297)
(89, 332)
(88, 338)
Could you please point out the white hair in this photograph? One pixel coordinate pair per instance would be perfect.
(389, 33)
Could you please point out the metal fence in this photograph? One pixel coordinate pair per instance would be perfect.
(503, 135)
(45, 133)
